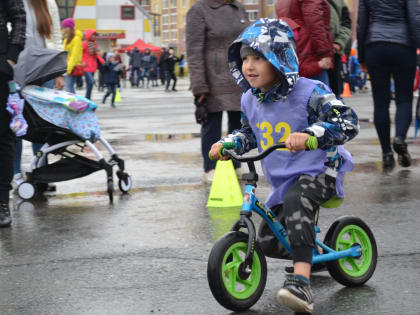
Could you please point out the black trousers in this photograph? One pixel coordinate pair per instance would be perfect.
(170, 75)
(212, 132)
(384, 60)
(297, 214)
(7, 144)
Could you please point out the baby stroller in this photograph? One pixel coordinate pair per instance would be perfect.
(61, 120)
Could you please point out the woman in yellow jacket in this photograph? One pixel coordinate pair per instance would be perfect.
(73, 46)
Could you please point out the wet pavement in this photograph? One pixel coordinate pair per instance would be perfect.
(74, 253)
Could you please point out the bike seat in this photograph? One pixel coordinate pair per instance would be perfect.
(334, 202)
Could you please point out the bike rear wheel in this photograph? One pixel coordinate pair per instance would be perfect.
(228, 284)
(343, 234)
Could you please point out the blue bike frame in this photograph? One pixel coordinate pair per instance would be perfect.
(252, 204)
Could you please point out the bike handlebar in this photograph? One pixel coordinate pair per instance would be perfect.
(311, 144)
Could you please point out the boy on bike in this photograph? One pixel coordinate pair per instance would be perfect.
(279, 106)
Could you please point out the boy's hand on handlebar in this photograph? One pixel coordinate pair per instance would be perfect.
(214, 152)
(296, 141)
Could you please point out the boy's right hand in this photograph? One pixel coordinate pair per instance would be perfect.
(214, 152)
(325, 63)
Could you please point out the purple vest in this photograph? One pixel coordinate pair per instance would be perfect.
(272, 123)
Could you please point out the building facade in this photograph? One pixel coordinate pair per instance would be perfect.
(169, 18)
(118, 23)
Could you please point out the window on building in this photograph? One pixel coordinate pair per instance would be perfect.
(66, 8)
(173, 3)
(156, 8)
(165, 19)
(252, 15)
(173, 18)
(174, 35)
(128, 12)
(270, 2)
(184, 3)
(165, 4)
(250, 1)
(165, 35)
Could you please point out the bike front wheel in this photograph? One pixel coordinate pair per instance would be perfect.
(229, 285)
(343, 234)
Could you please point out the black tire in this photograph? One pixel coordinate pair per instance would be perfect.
(217, 279)
(344, 233)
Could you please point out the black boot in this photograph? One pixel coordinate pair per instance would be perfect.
(5, 219)
(388, 162)
(400, 146)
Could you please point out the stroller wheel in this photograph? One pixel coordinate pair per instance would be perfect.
(125, 185)
(26, 190)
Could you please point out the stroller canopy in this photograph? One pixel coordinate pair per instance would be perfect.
(39, 65)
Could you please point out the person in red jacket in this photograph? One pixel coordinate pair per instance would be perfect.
(311, 25)
(90, 59)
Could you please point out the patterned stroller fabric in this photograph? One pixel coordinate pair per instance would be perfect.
(64, 109)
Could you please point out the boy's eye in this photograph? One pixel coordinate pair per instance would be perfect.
(244, 58)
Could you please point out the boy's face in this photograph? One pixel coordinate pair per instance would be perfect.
(259, 72)
(111, 59)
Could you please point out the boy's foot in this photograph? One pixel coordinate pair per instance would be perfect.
(175, 90)
(319, 267)
(388, 162)
(208, 177)
(5, 219)
(167, 90)
(296, 294)
(400, 146)
(113, 105)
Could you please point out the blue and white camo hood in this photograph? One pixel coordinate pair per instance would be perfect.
(275, 40)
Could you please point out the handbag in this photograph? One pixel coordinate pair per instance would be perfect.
(78, 71)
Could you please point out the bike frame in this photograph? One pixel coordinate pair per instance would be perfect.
(252, 204)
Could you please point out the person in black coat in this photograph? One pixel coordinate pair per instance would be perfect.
(111, 78)
(169, 65)
(136, 59)
(388, 33)
(10, 46)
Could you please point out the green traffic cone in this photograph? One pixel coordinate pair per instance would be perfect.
(225, 190)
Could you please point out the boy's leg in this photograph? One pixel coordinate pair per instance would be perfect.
(89, 84)
(114, 93)
(300, 204)
(173, 76)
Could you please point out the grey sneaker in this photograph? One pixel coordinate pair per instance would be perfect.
(296, 294)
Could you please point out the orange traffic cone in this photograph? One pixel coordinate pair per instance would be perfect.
(346, 92)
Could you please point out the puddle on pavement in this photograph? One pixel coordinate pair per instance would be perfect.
(152, 137)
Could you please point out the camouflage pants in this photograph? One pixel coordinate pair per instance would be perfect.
(297, 213)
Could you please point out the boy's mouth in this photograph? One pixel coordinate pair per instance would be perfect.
(252, 75)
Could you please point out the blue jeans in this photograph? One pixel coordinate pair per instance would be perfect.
(111, 90)
(17, 160)
(49, 84)
(323, 77)
(89, 84)
(70, 82)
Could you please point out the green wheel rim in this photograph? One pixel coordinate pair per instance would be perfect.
(350, 235)
(235, 286)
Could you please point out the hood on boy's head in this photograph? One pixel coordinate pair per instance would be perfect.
(109, 55)
(275, 41)
(89, 33)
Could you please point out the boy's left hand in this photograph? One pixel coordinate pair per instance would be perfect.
(296, 141)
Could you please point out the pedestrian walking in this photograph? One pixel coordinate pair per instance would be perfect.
(169, 66)
(11, 44)
(135, 62)
(340, 25)
(42, 31)
(73, 45)
(146, 67)
(162, 70)
(181, 68)
(111, 78)
(212, 25)
(90, 59)
(314, 42)
(388, 33)
(154, 71)
(101, 72)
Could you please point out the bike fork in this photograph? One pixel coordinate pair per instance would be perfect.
(246, 222)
